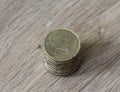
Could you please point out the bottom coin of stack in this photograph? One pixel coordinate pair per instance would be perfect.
(61, 50)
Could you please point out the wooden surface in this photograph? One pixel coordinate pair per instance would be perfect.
(23, 27)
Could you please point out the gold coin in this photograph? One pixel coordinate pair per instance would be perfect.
(62, 44)
(61, 49)
(63, 72)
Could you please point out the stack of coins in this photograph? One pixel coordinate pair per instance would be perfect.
(61, 49)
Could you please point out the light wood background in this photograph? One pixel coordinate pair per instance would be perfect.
(23, 27)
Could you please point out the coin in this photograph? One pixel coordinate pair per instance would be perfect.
(62, 44)
(63, 72)
(61, 48)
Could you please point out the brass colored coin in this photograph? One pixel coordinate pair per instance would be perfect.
(59, 62)
(62, 44)
(61, 66)
(63, 72)
(61, 49)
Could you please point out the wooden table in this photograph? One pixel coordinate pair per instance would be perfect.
(23, 27)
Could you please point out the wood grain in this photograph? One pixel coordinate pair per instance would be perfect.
(23, 27)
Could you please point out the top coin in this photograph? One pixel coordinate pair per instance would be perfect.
(62, 44)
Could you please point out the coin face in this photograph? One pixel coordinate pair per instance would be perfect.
(62, 44)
